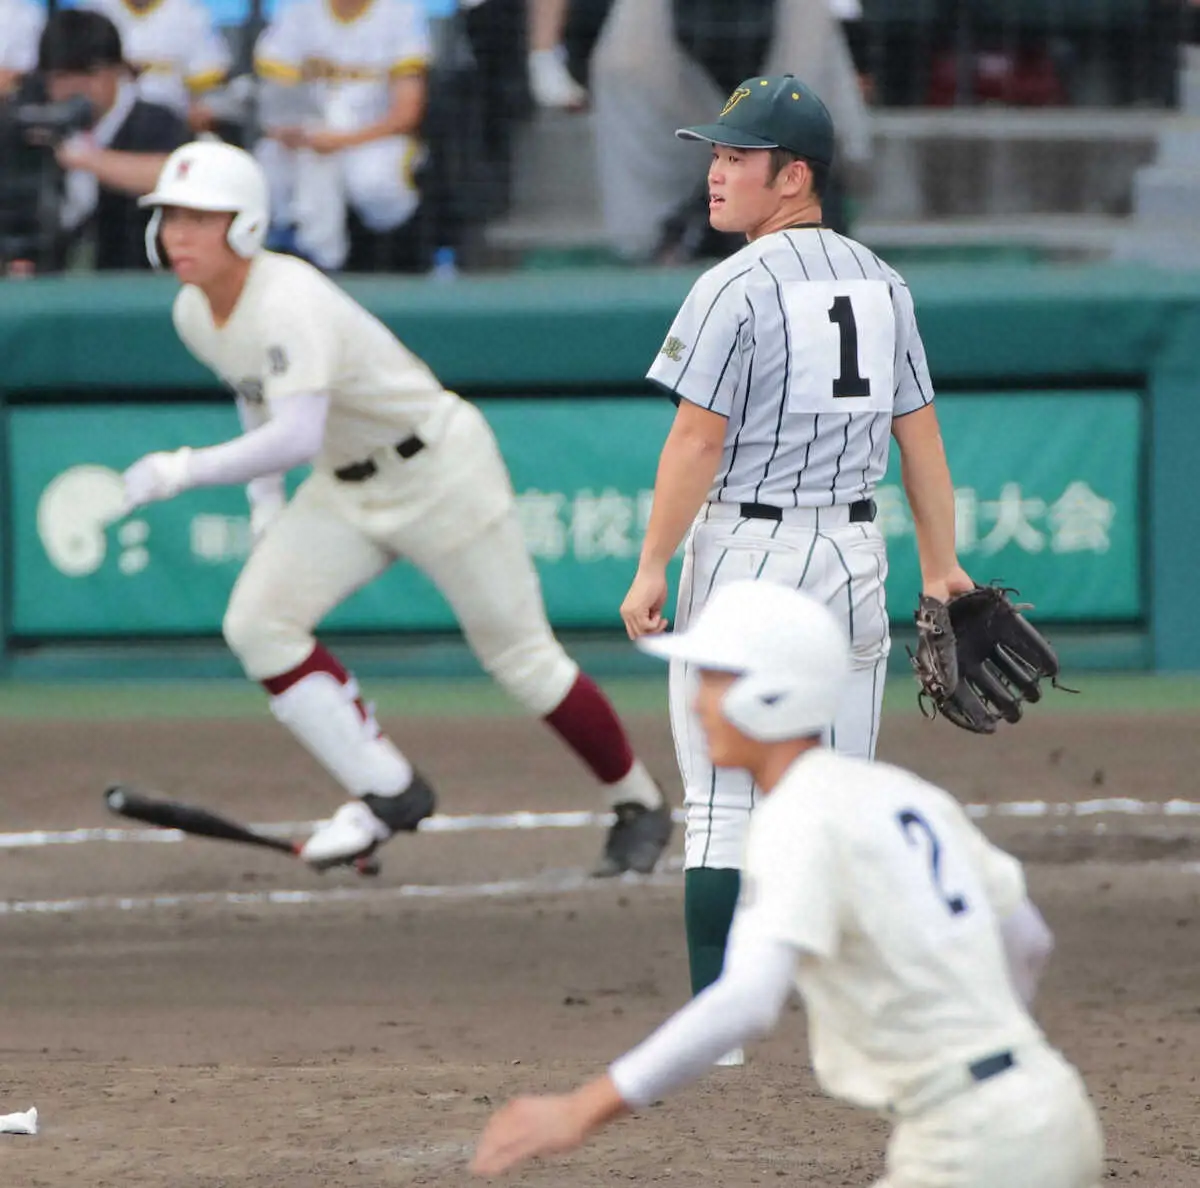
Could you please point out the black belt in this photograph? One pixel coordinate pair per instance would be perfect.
(861, 512)
(991, 1066)
(358, 472)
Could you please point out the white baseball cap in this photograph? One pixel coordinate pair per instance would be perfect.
(788, 649)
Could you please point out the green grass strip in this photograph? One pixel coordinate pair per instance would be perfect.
(1121, 693)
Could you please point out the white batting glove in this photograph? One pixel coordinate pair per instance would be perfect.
(156, 477)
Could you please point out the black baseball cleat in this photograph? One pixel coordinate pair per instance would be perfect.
(353, 834)
(636, 840)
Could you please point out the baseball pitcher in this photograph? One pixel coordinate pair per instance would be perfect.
(792, 363)
(908, 935)
(401, 468)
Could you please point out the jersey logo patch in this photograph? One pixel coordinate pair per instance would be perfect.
(734, 99)
(277, 360)
(673, 349)
(250, 390)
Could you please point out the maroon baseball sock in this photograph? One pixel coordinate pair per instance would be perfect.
(320, 659)
(586, 721)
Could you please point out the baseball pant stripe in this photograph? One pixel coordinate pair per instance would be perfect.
(849, 587)
(807, 561)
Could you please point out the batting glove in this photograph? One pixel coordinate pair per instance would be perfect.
(156, 477)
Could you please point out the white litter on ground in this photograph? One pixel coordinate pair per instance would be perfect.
(22, 1123)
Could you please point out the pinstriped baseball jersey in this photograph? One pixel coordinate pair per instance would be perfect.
(807, 342)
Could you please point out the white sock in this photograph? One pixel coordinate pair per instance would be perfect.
(322, 715)
(638, 787)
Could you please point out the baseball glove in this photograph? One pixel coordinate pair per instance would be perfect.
(978, 659)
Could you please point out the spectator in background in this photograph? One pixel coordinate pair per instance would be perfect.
(658, 62)
(178, 55)
(849, 15)
(343, 99)
(119, 158)
(550, 81)
(20, 25)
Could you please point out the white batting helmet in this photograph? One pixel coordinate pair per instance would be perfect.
(211, 175)
(788, 650)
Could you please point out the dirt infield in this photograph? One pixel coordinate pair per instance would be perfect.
(259, 1042)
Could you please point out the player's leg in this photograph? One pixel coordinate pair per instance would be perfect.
(717, 802)
(853, 587)
(319, 208)
(380, 182)
(311, 560)
(492, 586)
(279, 164)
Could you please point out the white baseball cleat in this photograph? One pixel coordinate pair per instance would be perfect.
(359, 826)
(352, 832)
(734, 1058)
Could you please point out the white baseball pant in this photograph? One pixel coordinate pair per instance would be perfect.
(816, 550)
(1032, 1126)
(450, 511)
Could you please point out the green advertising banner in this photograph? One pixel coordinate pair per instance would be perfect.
(1047, 496)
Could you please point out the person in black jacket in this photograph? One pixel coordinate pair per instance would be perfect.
(119, 157)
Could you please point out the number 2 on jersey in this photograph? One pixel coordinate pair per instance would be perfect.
(916, 829)
(849, 381)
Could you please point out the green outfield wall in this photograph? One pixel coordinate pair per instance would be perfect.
(1070, 402)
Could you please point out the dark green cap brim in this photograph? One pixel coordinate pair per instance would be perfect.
(724, 135)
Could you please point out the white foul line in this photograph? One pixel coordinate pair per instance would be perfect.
(551, 884)
(503, 822)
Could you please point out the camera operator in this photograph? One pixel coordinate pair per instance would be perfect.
(20, 23)
(119, 157)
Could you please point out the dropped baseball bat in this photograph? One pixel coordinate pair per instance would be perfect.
(187, 818)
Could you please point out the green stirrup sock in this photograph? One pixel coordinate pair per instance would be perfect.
(709, 897)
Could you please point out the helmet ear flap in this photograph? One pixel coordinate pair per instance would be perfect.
(749, 704)
(247, 232)
(154, 252)
(770, 707)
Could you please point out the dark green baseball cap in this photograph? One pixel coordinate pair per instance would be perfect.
(772, 112)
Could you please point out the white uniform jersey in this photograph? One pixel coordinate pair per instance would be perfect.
(348, 65)
(173, 45)
(293, 331)
(20, 27)
(894, 897)
(807, 342)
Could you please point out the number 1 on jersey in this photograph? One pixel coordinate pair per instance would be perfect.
(849, 382)
(916, 827)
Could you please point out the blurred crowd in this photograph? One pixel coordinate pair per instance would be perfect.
(387, 126)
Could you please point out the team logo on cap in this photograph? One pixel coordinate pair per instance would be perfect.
(183, 169)
(734, 99)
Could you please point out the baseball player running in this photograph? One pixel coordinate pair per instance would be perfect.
(908, 935)
(401, 468)
(792, 362)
